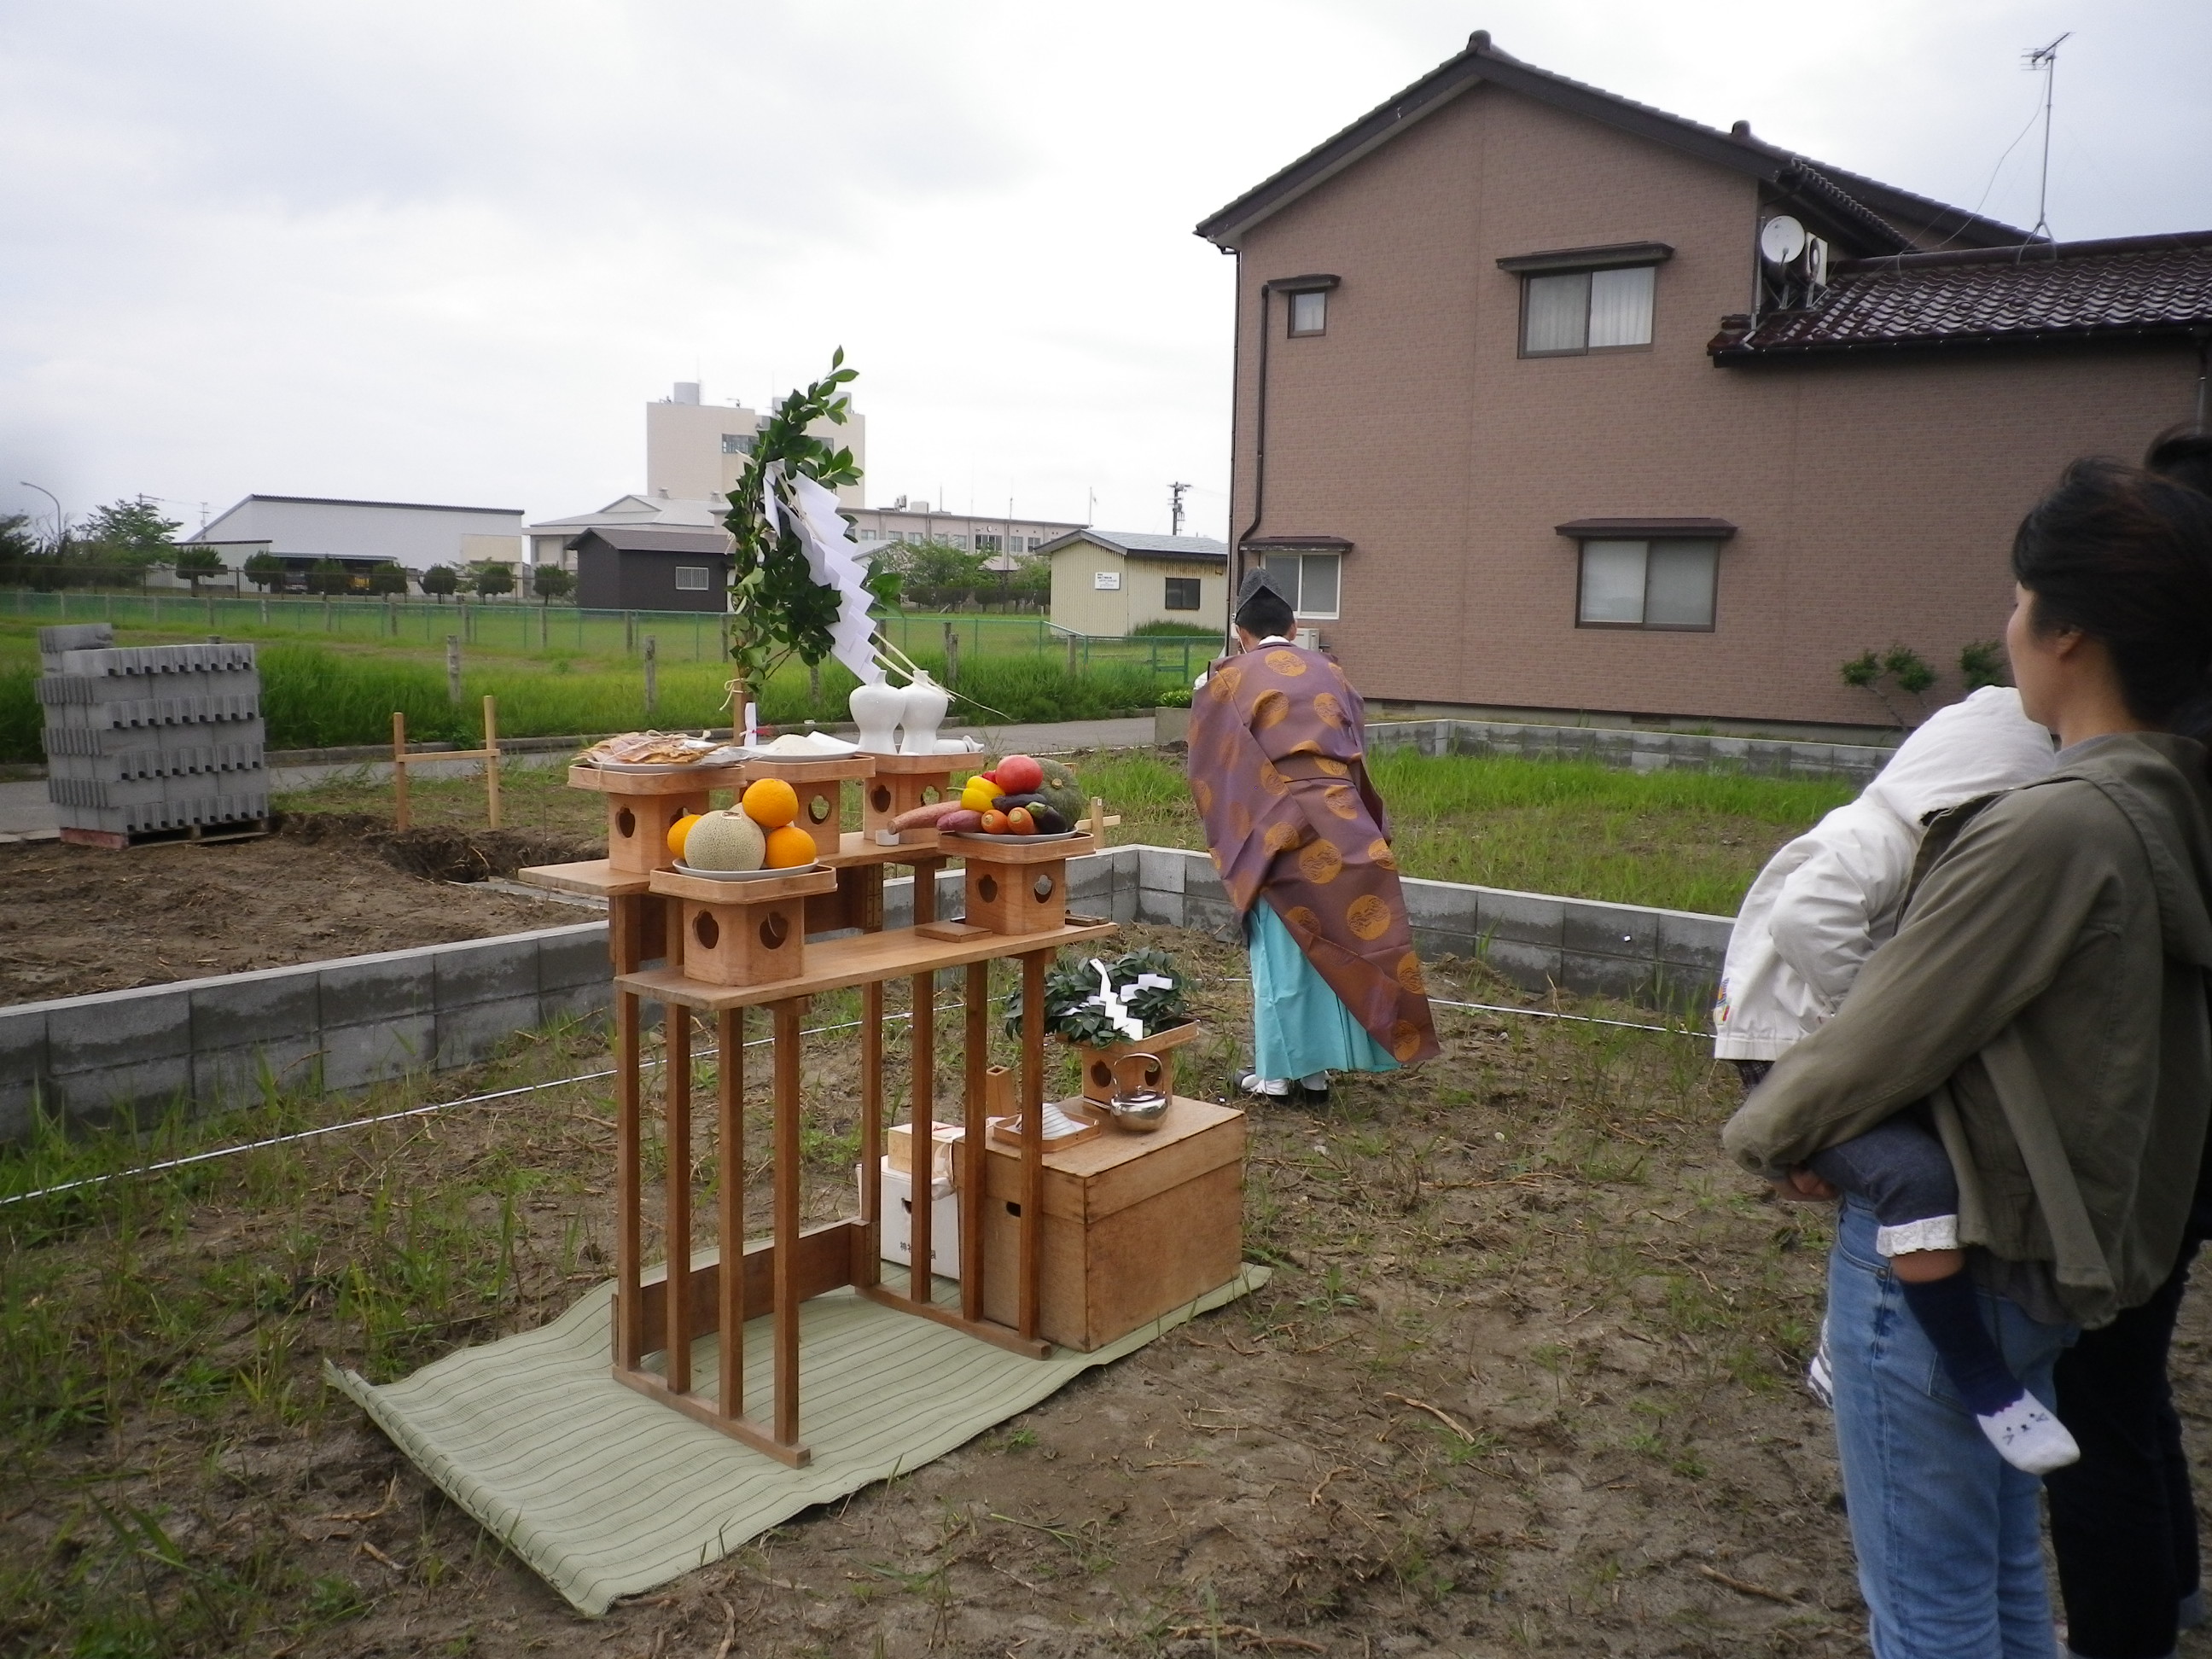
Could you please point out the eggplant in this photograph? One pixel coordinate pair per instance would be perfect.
(1048, 820)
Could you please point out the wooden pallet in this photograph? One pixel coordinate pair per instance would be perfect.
(115, 840)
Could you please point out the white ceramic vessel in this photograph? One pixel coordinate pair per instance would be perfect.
(876, 710)
(925, 703)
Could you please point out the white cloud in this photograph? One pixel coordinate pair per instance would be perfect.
(445, 251)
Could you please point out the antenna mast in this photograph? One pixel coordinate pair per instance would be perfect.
(1175, 508)
(2046, 59)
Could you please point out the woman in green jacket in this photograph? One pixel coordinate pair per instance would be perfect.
(2044, 1005)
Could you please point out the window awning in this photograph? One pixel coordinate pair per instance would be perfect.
(1649, 530)
(1296, 544)
(1589, 258)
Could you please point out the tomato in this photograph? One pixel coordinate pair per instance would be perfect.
(994, 823)
(1019, 823)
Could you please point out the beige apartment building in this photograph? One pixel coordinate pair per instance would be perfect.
(1551, 403)
(694, 450)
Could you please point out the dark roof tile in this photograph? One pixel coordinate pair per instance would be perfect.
(2127, 287)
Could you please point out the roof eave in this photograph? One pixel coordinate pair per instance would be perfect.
(1480, 62)
(1978, 339)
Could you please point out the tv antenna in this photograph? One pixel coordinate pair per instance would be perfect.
(2046, 59)
(1175, 508)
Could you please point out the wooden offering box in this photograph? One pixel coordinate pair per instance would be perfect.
(901, 783)
(821, 785)
(1135, 1225)
(1018, 886)
(744, 932)
(642, 805)
(1098, 1063)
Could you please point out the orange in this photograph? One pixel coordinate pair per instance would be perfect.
(771, 803)
(788, 847)
(678, 832)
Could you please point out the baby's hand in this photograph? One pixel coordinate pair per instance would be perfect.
(1802, 1186)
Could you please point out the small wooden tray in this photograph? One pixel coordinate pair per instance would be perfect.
(1021, 849)
(703, 889)
(810, 769)
(689, 781)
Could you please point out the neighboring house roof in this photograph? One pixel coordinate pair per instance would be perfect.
(642, 509)
(1195, 549)
(652, 539)
(1864, 215)
(2120, 288)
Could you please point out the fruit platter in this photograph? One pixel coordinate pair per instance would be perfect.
(758, 835)
(1019, 799)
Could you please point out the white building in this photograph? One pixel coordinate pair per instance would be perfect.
(694, 450)
(303, 528)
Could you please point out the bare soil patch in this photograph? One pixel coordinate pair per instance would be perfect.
(1526, 1379)
(78, 920)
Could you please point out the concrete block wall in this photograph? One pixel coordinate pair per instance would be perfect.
(339, 1025)
(1634, 751)
(358, 1020)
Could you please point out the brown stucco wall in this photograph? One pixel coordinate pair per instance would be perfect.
(1875, 498)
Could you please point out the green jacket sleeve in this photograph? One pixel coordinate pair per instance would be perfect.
(1990, 928)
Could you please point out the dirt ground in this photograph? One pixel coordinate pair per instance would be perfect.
(80, 919)
(1526, 1379)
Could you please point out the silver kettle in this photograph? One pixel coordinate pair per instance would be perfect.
(1138, 1101)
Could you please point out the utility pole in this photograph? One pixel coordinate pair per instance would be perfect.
(1175, 508)
(2046, 59)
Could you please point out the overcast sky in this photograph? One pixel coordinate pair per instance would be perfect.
(446, 250)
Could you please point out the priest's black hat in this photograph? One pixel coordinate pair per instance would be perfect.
(1262, 607)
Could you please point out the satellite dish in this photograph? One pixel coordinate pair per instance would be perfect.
(1781, 240)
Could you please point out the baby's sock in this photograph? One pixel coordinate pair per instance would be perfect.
(2026, 1435)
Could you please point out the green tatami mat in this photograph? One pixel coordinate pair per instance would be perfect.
(607, 1493)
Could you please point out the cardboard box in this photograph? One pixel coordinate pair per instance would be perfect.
(1134, 1225)
(895, 1242)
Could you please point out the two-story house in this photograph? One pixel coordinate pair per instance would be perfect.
(1552, 403)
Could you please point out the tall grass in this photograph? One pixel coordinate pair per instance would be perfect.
(314, 698)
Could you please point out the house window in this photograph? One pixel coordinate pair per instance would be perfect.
(985, 544)
(1309, 579)
(1183, 593)
(690, 578)
(1655, 584)
(1309, 312)
(737, 443)
(1573, 312)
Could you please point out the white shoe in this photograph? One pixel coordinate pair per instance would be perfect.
(1267, 1088)
(2027, 1436)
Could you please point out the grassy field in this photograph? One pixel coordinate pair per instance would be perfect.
(340, 691)
(1684, 841)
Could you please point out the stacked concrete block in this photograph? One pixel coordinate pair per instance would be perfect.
(145, 739)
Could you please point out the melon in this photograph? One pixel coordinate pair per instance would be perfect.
(725, 840)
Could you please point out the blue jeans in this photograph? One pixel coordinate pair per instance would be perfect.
(1949, 1535)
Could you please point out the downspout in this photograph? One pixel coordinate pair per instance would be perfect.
(2204, 393)
(1258, 449)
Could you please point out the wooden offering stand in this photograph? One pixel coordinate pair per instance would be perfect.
(667, 1315)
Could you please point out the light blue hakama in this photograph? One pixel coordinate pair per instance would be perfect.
(1299, 1025)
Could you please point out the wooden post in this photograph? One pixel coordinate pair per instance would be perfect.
(630, 1297)
(974, 1142)
(491, 759)
(1098, 819)
(453, 667)
(869, 1268)
(400, 768)
(1032, 1227)
(952, 654)
(730, 1089)
(676, 1034)
(787, 1014)
(652, 672)
(922, 1173)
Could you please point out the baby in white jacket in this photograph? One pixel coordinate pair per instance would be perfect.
(1817, 912)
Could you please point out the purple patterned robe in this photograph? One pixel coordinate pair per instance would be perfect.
(1277, 768)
